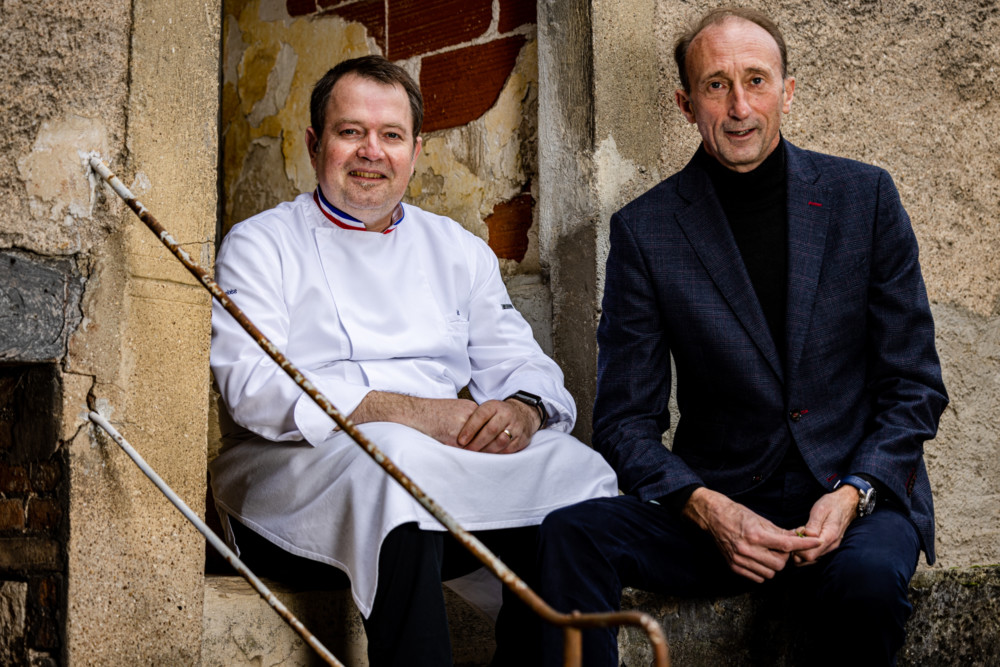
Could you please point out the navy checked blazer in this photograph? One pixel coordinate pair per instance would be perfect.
(860, 390)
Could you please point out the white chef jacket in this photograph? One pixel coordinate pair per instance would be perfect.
(418, 310)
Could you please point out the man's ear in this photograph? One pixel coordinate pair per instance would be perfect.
(312, 142)
(684, 104)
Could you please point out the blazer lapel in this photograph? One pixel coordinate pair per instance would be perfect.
(706, 228)
(809, 211)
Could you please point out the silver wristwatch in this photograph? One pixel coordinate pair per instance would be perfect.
(866, 493)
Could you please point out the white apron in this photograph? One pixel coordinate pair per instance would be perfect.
(422, 311)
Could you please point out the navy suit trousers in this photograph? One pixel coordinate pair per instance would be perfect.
(854, 598)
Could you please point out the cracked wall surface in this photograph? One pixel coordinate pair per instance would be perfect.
(909, 86)
(479, 78)
(137, 83)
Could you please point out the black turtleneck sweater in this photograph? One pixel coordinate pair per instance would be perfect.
(755, 204)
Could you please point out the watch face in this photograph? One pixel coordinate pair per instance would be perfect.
(866, 503)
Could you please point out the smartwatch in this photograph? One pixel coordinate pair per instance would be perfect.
(535, 402)
(866, 493)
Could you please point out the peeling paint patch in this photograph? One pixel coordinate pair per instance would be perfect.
(51, 171)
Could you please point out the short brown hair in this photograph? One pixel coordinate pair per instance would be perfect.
(372, 67)
(718, 16)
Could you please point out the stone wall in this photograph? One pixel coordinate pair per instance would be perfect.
(476, 65)
(91, 295)
(909, 86)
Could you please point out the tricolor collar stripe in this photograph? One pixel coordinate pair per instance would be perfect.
(345, 221)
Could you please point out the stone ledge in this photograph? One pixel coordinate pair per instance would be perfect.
(956, 621)
(240, 628)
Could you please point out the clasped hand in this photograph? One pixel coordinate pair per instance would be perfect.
(758, 549)
(496, 427)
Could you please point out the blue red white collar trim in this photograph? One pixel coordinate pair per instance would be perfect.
(345, 221)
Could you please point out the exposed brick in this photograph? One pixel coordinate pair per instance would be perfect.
(45, 477)
(14, 479)
(515, 13)
(369, 13)
(43, 514)
(43, 626)
(300, 7)
(509, 224)
(21, 553)
(427, 26)
(11, 514)
(5, 439)
(460, 86)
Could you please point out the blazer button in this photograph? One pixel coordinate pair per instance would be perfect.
(795, 415)
(757, 478)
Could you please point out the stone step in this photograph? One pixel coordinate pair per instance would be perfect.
(240, 628)
(956, 621)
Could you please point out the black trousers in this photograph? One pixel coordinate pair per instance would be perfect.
(408, 624)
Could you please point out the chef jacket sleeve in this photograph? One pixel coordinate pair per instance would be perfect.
(502, 350)
(260, 396)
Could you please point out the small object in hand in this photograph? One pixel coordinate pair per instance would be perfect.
(800, 533)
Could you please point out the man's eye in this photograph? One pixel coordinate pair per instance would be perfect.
(349, 132)
(393, 135)
(757, 80)
(715, 85)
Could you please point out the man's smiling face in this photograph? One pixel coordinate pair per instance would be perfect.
(738, 92)
(366, 153)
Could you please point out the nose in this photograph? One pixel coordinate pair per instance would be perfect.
(739, 107)
(371, 147)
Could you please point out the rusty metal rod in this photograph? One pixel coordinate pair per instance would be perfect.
(640, 619)
(214, 540)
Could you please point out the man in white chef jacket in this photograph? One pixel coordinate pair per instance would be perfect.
(390, 310)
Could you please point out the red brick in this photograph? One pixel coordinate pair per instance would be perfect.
(369, 13)
(515, 13)
(300, 7)
(508, 225)
(417, 27)
(462, 85)
(14, 479)
(11, 515)
(43, 514)
(45, 477)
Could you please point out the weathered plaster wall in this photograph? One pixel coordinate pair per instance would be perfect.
(911, 87)
(138, 83)
(477, 66)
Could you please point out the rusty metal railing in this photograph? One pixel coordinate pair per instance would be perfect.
(571, 623)
(219, 545)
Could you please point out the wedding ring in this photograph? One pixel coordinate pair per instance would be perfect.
(510, 436)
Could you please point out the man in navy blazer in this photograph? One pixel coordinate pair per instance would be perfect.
(786, 287)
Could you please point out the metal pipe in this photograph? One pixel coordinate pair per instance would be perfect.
(642, 620)
(214, 540)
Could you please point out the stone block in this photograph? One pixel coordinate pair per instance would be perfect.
(416, 28)
(39, 306)
(460, 86)
(241, 629)
(13, 603)
(956, 620)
